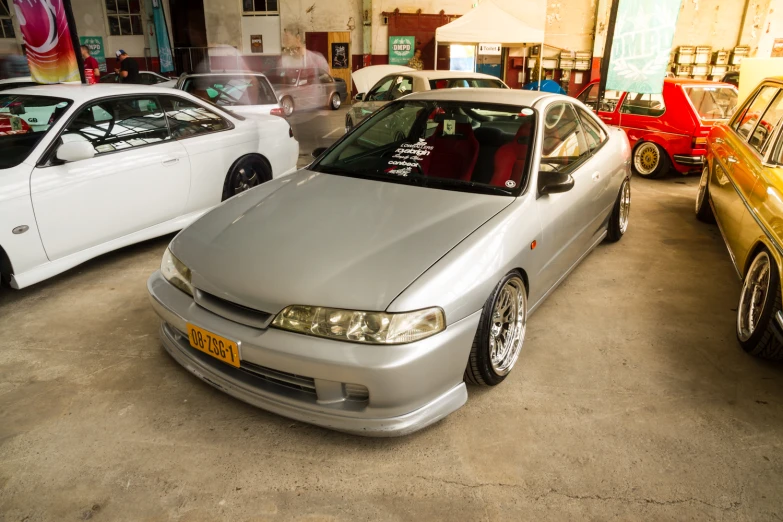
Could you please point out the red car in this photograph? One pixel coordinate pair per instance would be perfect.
(668, 129)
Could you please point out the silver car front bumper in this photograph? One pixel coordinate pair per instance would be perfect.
(309, 379)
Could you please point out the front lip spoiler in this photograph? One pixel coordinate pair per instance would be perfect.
(696, 161)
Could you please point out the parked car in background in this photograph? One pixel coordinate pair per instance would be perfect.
(15, 83)
(731, 77)
(311, 88)
(147, 78)
(362, 293)
(398, 84)
(741, 188)
(668, 129)
(106, 166)
(243, 92)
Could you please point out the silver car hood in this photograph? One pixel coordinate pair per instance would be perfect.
(328, 240)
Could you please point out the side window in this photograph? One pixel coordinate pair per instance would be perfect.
(324, 77)
(381, 89)
(762, 134)
(188, 119)
(564, 144)
(590, 95)
(119, 123)
(746, 121)
(594, 134)
(148, 79)
(308, 77)
(402, 85)
(643, 104)
(610, 101)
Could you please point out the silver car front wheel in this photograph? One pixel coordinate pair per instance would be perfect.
(501, 333)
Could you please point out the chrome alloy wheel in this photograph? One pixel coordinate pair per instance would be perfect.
(753, 297)
(288, 106)
(336, 101)
(646, 158)
(507, 330)
(705, 174)
(625, 206)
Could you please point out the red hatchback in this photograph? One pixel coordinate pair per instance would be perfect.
(668, 129)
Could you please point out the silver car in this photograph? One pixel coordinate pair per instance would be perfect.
(363, 292)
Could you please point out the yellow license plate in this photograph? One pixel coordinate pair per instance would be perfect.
(214, 345)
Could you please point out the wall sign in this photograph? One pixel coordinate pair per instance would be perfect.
(340, 54)
(401, 49)
(256, 43)
(777, 48)
(491, 49)
(97, 50)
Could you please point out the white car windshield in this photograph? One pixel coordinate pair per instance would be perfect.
(231, 90)
(24, 121)
(473, 147)
(713, 103)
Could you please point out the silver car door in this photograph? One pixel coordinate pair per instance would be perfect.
(567, 218)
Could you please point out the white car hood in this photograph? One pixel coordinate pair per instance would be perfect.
(366, 77)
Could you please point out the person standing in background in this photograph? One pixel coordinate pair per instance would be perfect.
(415, 62)
(92, 70)
(128, 69)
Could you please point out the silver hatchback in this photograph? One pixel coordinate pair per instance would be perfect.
(363, 292)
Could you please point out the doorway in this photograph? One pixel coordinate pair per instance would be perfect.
(189, 35)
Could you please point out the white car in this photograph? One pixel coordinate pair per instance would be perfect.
(147, 78)
(243, 92)
(15, 83)
(381, 84)
(119, 164)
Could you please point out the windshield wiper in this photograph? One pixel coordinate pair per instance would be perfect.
(468, 186)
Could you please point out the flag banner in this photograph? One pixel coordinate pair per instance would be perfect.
(162, 38)
(643, 35)
(401, 49)
(48, 40)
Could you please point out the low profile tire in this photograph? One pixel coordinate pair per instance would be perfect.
(348, 125)
(650, 160)
(288, 106)
(500, 334)
(246, 173)
(703, 208)
(618, 222)
(759, 302)
(335, 102)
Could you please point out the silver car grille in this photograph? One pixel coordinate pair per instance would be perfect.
(289, 380)
(232, 311)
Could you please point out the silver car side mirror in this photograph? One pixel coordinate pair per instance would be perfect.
(554, 182)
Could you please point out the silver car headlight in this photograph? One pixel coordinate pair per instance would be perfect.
(362, 327)
(176, 272)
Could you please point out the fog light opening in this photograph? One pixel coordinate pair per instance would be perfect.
(356, 392)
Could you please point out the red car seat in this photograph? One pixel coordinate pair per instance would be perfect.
(510, 159)
(453, 156)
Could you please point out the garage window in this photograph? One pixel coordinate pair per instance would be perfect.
(124, 17)
(643, 104)
(263, 7)
(6, 24)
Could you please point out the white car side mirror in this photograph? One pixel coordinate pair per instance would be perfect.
(75, 151)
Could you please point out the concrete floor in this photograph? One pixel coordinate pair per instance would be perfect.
(631, 401)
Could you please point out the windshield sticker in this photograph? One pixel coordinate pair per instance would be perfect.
(449, 127)
(408, 155)
(526, 112)
(511, 183)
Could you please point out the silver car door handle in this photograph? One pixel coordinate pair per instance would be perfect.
(172, 161)
(719, 141)
(732, 159)
(596, 176)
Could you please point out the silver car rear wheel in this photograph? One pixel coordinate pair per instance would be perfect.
(335, 101)
(288, 106)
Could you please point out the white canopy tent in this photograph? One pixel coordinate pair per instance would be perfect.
(490, 23)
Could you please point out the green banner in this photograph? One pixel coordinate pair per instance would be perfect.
(401, 49)
(97, 51)
(643, 37)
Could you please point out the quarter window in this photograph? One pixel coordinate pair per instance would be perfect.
(6, 24)
(119, 124)
(594, 134)
(762, 134)
(124, 17)
(564, 145)
(381, 90)
(187, 119)
(643, 104)
(748, 118)
(251, 7)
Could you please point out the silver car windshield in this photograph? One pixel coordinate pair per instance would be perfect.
(472, 147)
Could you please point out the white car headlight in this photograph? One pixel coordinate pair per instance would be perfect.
(361, 327)
(176, 272)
